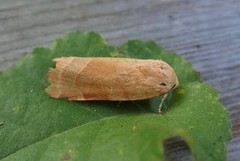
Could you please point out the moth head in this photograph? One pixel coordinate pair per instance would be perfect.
(169, 80)
(169, 86)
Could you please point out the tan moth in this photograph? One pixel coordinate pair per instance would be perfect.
(115, 79)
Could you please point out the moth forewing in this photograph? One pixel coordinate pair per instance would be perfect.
(116, 79)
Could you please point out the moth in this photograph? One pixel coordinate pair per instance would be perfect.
(115, 79)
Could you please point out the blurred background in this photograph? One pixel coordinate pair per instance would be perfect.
(207, 33)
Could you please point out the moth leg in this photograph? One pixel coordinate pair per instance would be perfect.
(160, 106)
(139, 106)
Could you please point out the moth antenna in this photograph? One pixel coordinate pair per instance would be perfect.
(160, 106)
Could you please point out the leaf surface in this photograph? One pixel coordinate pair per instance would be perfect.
(34, 126)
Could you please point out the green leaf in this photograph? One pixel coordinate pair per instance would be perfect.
(34, 126)
(150, 50)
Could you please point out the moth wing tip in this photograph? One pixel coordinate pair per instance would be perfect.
(61, 58)
(55, 60)
(53, 92)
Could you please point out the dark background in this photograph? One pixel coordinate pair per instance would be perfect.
(205, 32)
